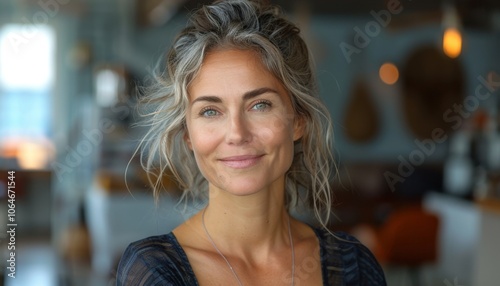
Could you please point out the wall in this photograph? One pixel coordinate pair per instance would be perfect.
(336, 75)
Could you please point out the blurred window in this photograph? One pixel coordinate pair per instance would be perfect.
(26, 81)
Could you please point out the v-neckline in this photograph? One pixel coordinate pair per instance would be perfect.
(189, 268)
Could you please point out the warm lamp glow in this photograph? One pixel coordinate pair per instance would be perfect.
(452, 42)
(389, 73)
(8, 149)
(34, 154)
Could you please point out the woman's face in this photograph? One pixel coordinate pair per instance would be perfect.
(240, 123)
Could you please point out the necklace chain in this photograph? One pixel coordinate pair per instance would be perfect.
(227, 261)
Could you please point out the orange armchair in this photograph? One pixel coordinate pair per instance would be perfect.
(409, 238)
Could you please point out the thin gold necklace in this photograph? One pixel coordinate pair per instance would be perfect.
(227, 261)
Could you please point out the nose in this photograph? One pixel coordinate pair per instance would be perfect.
(238, 130)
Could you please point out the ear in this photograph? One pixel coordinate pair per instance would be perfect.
(299, 126)
(187, 139)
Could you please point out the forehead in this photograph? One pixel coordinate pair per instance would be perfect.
(234, 71)
(231, 58)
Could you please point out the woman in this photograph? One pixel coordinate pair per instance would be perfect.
(237, 117)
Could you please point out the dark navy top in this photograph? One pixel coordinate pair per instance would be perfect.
(160, 260)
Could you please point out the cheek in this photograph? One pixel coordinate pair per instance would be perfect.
(276, 129)
(203, 139)
(282, 123)
(202, 149)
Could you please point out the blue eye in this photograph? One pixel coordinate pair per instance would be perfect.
(209, 112)
(262, 105)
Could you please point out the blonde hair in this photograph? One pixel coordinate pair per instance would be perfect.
(247, 25)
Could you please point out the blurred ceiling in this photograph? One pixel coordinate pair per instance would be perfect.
(478, 14)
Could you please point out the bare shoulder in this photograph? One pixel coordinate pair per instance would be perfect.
(205, 263)
(192, 238)
(304, 234)
(307, 255)
(190, 234)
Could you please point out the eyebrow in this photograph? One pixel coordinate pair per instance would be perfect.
(246, 96)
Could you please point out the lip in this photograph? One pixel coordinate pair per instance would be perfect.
(241, 162)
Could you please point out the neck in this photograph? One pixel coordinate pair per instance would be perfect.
(248, 224)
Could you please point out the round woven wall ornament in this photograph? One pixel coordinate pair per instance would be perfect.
(432, 83)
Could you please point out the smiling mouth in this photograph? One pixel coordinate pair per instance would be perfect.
(241, 162)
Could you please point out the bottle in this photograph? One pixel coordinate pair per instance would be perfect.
(458, 168)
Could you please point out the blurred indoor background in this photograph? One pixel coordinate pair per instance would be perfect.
(412, 87)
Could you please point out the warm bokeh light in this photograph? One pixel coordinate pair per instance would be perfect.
(8, 148)
(389, 73)
(33, 156)
(452, 42)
